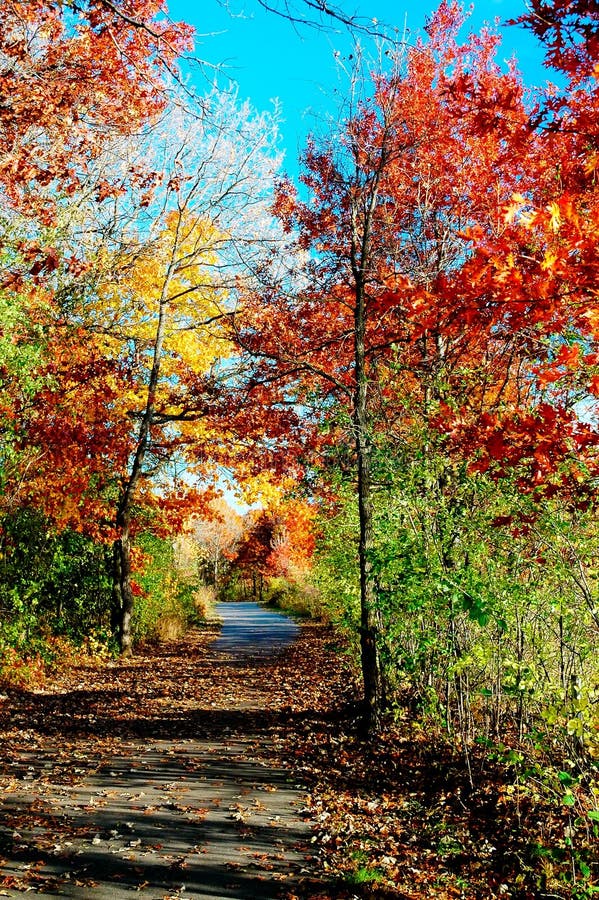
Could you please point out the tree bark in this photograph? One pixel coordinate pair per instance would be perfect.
(122, 590)
(369, 613)
(370, 624)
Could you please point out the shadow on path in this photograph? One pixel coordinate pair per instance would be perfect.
(158, 776)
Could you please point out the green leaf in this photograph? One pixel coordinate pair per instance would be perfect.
(575, 727)
(593, 814)
(566, 779)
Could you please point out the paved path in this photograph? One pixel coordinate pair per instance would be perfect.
(250, 629)
(189, 803)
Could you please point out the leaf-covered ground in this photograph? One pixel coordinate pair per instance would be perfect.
(185, 772)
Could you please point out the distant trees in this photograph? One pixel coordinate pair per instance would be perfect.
(215, 539)
(272, 558)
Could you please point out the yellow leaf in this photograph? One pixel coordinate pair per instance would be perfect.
(513, 208)
(556, 217)
(549, 261)
(592, 163)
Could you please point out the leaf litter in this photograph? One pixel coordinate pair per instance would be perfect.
(106, 757)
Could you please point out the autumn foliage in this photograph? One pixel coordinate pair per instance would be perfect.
(74, 74)
(454, 217)
(394, 362)
(437, 321)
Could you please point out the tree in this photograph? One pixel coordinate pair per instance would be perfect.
(278, 542)
(540, 284)
(73, 74)
(321, 14)
(382, 318)
(215, 537)
(159, 390)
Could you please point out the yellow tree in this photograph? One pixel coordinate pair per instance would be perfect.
(163, 304)
(141, 397)
(162, 312)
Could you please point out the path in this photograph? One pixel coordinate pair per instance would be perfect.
(249, 629)
(158, 776)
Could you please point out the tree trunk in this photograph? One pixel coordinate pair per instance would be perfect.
(122, 554)
(122, 592)
(370, 619)
(369, 613)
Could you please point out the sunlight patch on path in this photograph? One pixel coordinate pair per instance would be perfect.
(250, 629)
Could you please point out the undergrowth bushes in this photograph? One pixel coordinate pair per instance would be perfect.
(488, 631)
(165, 604)
(55, 597)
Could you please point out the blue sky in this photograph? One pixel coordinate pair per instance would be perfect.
(270, 58)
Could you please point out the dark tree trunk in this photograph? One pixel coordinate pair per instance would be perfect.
(369, 613)
(122, 593)
(123, 599)
(370, 622)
